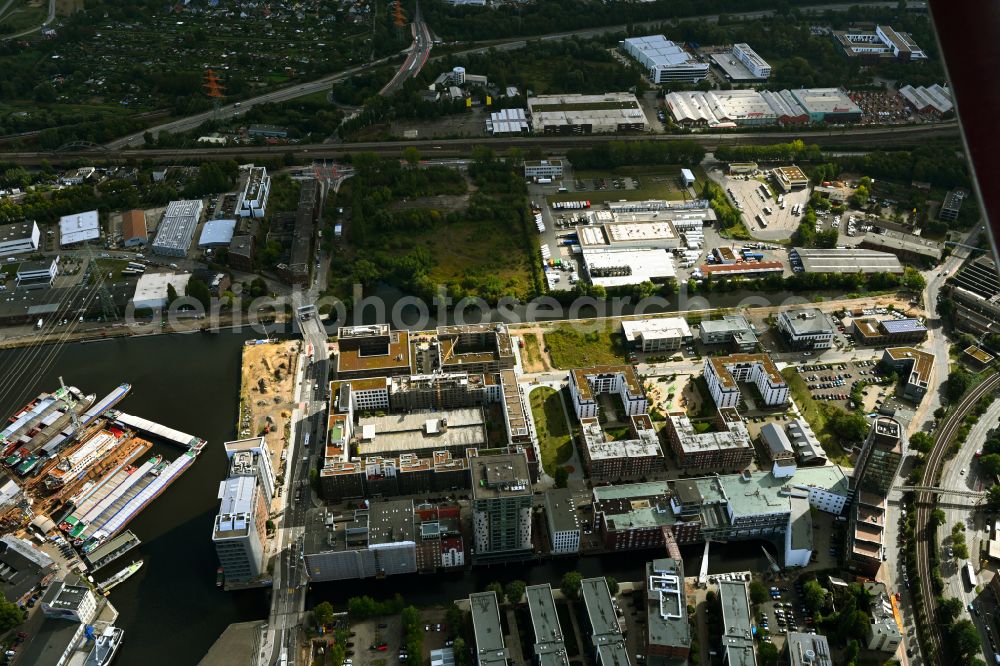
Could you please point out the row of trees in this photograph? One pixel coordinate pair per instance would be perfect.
(621, 153)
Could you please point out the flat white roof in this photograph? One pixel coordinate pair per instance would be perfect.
(662, 327)
(645, 265)
(79, 227)
(217, 232)
(151, 289)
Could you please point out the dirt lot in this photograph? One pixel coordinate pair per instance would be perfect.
(460, 124)
(266, 394)
(680, 387)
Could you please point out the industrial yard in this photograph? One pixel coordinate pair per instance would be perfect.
(267, 391)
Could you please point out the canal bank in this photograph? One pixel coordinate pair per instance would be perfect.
(171, 609)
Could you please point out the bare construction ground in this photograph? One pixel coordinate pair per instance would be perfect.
(267, 391)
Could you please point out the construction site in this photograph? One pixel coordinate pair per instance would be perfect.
(267, 393)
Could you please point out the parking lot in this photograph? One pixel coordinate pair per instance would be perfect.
(835, 382)
(748, 193)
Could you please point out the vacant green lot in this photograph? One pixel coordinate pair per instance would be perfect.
(102, 267)
(573, 347)
(554, 436)
(815, 413)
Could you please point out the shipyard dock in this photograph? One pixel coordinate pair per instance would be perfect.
(148, 427)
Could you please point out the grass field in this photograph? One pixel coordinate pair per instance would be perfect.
(481, 250)
(570, 347)
(815, 414)
(104, 266)
(554, 437)
(532, 354)
(22, 15)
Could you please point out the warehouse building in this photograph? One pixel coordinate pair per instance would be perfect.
(844, 260)
(614, 267)
(827, 105)
(742, 65)
(871, 332)
(720, 108)
(625, 235)
(663, 60)
(914, 365)
(19, 238)
(240, 256)
(733, 330)
(151, 289)
(908, 247)
(724, 372)
(543, 169)
(806, 329)
(923, 99)
(657, 335)
(134, 232)
(778, 449)
(217, 233)
(751, 269)
(176, 230)
(587, 114)
(79, 228)
(507, 122)
(883, 42)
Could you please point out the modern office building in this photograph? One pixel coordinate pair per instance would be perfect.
(872, 332)
(790, 178)
(501, 507)
(19, 238)
(668, 634)
(662, 334)
(723, 372)
(377, 540)
(37, 274)
(607, 639)
(757, 65)
(915, 367)
(543, 169)
(952, 205)
(67, 599)
(663, 60)
(371, 351)
(808, 649)
(488, 630)
(256, 190)
(176, 230)
(874, 477)
(737, 624)
(975, 294)
(885, 632)
(252, 457)
(563, 521)
(239, 530)
(586, 114)
(79, 228)
(548, 646)
(882, 42)
(733, 330)
(808, 328)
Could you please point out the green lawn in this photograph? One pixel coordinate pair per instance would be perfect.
(104, 266)
(574, 347)
(655, 182)
(554, 437)
(815, 414)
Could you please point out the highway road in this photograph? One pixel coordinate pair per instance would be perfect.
(417, 57)
(48, 19)
(421, 34)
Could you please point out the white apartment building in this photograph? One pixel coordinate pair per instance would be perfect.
(238, 531)
(723, 372)
(19, 238)
(587, 383)
(253, 199)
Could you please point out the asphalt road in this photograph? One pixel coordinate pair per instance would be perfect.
(417, 57)
(48, 19)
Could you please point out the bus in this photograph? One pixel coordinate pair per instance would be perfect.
(970, 574)
(761, 221)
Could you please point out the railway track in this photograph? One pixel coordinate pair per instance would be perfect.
(925, 505)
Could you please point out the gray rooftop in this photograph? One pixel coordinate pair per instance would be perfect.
(604, 626)
(549, 647)
(776, 439)
(737, 639)
(561, 510)
(666, 603)
(808, 649)
(400, 433)
(504, 475)
(490, 648)
(176, 230)
(850, 260)
(807, 321)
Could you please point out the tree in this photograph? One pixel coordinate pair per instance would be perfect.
(851, 653)
(922, 442)
(323, 614)
(949, 609)
(514, 591)
(993, 498)
(991, 463)
(961, 551)
(200, 291)
(10, 615)
(570, 584)
(612, 585)
(913, 280)
(758, 593)
(814, 595)
(848, 426)
(767, 654)
(561, 476)
(937, 517)
(171, 294)
(959, 381)
(497, 589)
(965, 638)
(411, 155)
